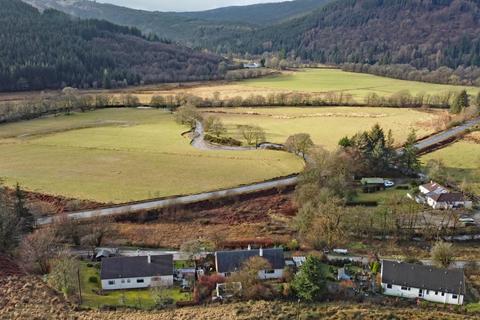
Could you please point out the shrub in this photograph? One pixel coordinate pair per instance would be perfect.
(93, 279)
(228, 141)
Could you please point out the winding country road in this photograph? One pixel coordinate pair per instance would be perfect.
(199, 142)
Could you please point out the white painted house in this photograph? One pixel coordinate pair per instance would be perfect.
(228, 262)
(448, 201)
(439, 197)
(136, 272)
(433, 187)
(416, 281)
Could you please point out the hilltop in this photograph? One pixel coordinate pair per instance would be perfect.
(51, 50)
(425, 34)
(194, 29)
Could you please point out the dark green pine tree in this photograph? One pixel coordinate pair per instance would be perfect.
(309, 283)
(409, 159)
(25, 217)
(460, 102)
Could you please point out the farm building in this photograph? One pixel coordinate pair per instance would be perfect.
(372, 184)
(136, 272)
(416, 281)
(227, 262)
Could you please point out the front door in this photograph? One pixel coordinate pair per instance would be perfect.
(420, 293)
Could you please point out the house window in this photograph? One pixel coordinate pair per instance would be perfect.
(111, 282)
(140, 281)
(436, 293)
(389, 286)
(454, 296)
(123, 280)
(128, 280)
(270, 271)
(443, 294)
(228, 274)
(408, 289)
(403, 288)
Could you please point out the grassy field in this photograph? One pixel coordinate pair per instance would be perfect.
(315, 81)
(130, 298)
(120, 155)
(462, 160)
(356, 84)
(327, 125)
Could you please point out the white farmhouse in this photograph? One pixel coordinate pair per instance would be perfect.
(416, 281)
(433, 187)
(448, 201)
(439, 197)
(228, 262)
(136, 272)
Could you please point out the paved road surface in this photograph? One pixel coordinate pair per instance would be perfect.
(199, 142)
(443, 136)
(183, 200)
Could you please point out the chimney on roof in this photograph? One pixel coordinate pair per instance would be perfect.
(260, 253)
(149, 258)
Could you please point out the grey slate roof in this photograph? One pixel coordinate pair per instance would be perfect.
(423, 277)
(136, 267)
(231, 261)
(448, 197)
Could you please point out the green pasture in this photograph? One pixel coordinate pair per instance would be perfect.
(326, 125)
(120, 155)
(462, 160)
(356, 84)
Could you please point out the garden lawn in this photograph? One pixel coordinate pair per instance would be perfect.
(381, 196)
(121, 155)
(327, 125)
(356, 84)
(130, 298)
(462, 160)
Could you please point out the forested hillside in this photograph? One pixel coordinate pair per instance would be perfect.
(166, 25)
(53, 50)
(259, 14)
(196, 29)
(422, 33)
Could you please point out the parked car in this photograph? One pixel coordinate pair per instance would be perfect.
(388, 183)
(340, 251)
(466, 219)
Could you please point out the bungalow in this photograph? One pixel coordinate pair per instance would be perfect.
(227, 262)
(416, 281)
(448, 201)
(136, 272)
(439, 197)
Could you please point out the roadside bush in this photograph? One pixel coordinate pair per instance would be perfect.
(93, 279)
(227, 141)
